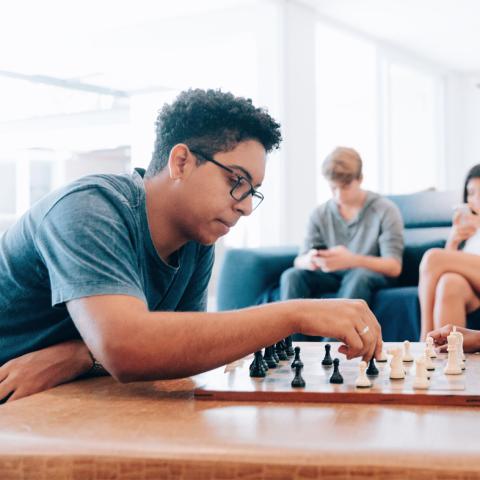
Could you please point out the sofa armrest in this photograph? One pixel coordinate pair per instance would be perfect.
(246, 274)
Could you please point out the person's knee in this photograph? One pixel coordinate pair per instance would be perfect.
(292, 277)
(452, 285)
(431, 261)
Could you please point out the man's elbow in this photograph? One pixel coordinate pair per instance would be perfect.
(395, 269)
(119, 362)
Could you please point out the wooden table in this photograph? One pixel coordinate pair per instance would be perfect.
(99, 429)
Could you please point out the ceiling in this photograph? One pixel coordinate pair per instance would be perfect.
(446, 32)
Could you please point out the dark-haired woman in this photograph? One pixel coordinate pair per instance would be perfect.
(449, 287)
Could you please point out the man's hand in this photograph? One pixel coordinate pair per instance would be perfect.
(349, 321)
(37, 371)
(308, 261)
(335, 258)
(471, 338)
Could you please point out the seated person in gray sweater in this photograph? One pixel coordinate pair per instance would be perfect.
(354, 242)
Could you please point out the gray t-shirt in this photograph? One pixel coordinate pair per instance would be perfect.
(89, 238)
(377, 230)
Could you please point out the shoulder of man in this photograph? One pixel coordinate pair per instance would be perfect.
(381, 203)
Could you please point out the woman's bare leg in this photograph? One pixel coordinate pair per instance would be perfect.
(434, 264)
(454, 298)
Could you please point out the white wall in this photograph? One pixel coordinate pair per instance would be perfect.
(462, 125)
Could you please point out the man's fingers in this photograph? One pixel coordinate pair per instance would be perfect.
(354, 344)
(6, 391)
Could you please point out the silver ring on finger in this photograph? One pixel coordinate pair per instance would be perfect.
(364, 330)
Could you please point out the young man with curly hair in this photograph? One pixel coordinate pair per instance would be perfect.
(115, 268)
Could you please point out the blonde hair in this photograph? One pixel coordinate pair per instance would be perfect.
(343, 165)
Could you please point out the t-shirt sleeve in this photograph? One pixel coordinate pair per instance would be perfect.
(314, 237)
(86, 244)
(196, 294)
(391, 239)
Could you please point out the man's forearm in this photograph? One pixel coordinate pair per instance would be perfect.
(190, 342)
(386, 266)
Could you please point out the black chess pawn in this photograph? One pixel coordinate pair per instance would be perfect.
(268, 357)
(274, 354)
(372, 370)
(289, 346)
(336, 375)
(327, 360)
(298, 381)
(296, 360)
(279, 348)
(256, 369)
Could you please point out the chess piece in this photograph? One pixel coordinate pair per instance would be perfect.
(289, 351)
(274, 354)
(453, 367)
(327, 360)
(372, 370)
(382, 357)
(429, 365)
(362, 380)
(430, 348)
(279, 348)
(298, 381)
(407, 354)
(421, 381)
(297, 360)
(268, 357)
(336, 375)
(461, 355)
(397, 371)
(256, 369)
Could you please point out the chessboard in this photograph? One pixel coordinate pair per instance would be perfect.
(233, 382)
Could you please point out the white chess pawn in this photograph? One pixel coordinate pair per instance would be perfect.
(362, 380)
(407, 354)
(430, 348)
(429, 365)
(452, 367)
(421, 375)
(396, 364)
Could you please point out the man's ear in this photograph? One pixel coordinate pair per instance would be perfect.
(180, 161)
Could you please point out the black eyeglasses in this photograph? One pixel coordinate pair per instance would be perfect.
(242, 187)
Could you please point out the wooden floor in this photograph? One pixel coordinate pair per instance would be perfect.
(99, 429)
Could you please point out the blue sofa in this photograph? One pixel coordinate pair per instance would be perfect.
(250, 276)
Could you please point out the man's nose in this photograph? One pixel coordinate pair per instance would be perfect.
(245, 206)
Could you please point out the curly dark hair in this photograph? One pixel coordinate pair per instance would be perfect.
(474, 172)
(211, 121)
